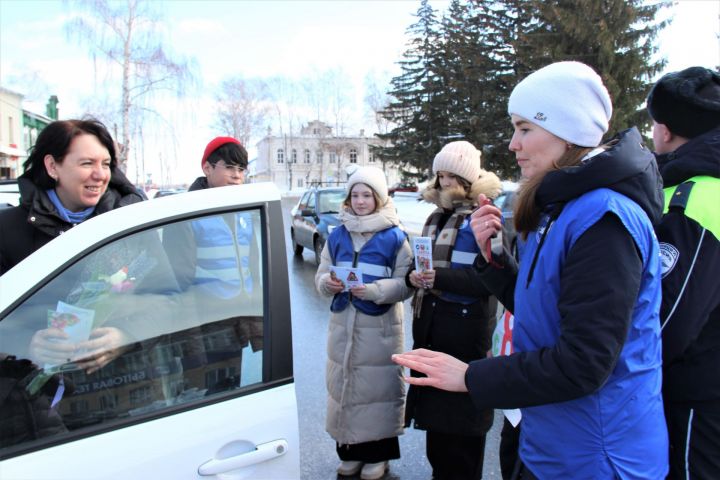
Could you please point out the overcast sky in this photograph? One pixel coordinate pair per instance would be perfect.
(259, 39)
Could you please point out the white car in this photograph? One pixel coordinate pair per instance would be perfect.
(9, 193)
(199, 388)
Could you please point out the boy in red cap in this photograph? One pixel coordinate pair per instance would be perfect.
(215, 259)
(224, 162)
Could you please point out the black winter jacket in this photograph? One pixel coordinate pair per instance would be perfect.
(690, 309)
(32, 224)
(463, 331)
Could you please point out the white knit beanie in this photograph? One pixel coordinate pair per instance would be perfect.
(460, 158)
(373, 177)
(568, 99)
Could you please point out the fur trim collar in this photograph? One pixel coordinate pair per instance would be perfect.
(488, 183)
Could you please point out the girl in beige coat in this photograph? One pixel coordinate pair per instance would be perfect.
(365, 389)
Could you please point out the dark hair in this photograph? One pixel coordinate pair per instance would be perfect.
(231, 154)
(55, 140)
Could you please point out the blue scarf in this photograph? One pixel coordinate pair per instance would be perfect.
(67, 215)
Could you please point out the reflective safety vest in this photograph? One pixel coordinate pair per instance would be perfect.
(702, 205)
(463, 255)
(223, 255)
(376, 260)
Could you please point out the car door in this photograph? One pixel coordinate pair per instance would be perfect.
(298, 221)
(179, 361)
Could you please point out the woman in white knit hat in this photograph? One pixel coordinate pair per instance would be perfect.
(586, 372)
(450, 313)
(366, 393)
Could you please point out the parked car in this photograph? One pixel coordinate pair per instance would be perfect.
(168, 406)
(402, 187)
(314, 217)
(9, 193)
(168, 192)
(506, 202)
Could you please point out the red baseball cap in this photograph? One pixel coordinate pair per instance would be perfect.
(214, 144)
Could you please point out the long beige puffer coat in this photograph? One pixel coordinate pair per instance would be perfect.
(366, 393)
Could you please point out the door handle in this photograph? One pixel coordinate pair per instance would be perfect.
(262, 453)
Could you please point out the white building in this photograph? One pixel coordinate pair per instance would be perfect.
(314, 157)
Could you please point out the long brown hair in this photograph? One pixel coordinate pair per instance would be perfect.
(526, 213)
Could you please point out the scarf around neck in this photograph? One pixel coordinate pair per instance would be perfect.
(64, 213)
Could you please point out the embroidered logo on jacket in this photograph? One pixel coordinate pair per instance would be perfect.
(668, 257)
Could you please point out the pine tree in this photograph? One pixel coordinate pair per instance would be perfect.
(615, 37)
(418, 111)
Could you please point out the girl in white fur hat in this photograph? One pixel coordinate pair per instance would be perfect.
(366, 393)
(451, 313)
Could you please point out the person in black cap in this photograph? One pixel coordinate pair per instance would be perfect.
(685, 108)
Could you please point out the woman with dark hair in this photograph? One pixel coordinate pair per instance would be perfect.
(70, 176)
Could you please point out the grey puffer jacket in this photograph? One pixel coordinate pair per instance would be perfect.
(366, 394)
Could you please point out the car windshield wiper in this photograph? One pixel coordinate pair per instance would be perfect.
(330, 211)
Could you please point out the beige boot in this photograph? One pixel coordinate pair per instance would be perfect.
(348, 468)
(373, 471)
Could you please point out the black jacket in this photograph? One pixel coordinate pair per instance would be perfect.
(690, 311)
(605, 255)
(32, 224)
(463, 331)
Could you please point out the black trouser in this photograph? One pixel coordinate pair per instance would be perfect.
(510, 464)
(694, 440)
(370, 452)
(455, 457)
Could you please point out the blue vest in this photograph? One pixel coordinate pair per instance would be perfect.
(599, 435)
(223, 255)
(376, 260)
(463, 255)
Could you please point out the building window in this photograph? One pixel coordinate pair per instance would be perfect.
(280, 155)
(294, 156)
(371, 157)
(316, 131)
(319, 156)
(333, 157)
(300, 182)
(11, 137)
(307, 156)
(353, 155)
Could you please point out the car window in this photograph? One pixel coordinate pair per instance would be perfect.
(329, 202)
(304, 201)
(130, 331)
(311, 201)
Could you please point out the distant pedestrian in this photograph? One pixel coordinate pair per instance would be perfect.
(365, 388)
(685, 107)
(586, 371)
(451, 313)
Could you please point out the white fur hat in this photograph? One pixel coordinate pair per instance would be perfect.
(568, 99)
(373, 177)
(460, 158)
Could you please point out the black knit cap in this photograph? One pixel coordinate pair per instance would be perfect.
(687, 102)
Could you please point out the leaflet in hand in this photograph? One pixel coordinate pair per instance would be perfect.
(350, 277)
(76, 322)
(422, 246)
(502, 345)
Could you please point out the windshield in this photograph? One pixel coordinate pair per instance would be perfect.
(329, 202)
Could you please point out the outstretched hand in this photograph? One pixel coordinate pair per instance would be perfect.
(105, 344)
(443, 371)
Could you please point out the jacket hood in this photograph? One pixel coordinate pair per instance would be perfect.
(384, 218)
(699, 156)
(488, 183)
(200, 183)
(627, 167)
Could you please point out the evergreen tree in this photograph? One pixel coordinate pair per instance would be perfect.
(418, 111)
(615, 37)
